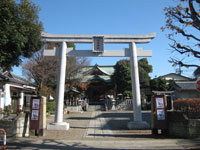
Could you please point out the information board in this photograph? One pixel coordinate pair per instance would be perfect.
(35, 113)
(160, 117)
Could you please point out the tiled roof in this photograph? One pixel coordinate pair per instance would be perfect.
(3, 78)
(97, 73)
(14, 78)
(107, 70)
(186, 85)
(100, 77)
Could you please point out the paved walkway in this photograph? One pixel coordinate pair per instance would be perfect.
(98, 128)
(98, 131)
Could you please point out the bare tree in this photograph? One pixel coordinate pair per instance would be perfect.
(44, 70)
(183, 22)
(74, 70)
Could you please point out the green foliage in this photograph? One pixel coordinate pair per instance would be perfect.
(161, 84)
(71, 45)
(171, 85)
(51, 106)
(20, 31)
(122, 75)
(128, 93)
(143, 101)
(158, 84)
(7, 109)
(144, 70)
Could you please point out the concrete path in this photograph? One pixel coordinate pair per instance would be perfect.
(98, 127)
(99, 131)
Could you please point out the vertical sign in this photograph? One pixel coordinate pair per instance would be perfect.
(35, 113)
(160, 112)
(98, 44)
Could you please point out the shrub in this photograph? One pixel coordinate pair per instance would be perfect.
(127, 93)
(7, 109)
(51, 106)
(191, 107)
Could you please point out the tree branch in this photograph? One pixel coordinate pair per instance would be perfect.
(178, 62)
(179, 30)
(184, 49)
(194, 14)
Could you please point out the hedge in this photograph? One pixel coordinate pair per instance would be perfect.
(190, 106)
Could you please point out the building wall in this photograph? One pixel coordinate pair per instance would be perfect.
(175, 77)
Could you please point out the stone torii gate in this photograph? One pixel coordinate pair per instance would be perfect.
(98, 51)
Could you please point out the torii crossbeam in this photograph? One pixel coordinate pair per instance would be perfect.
(98, 51)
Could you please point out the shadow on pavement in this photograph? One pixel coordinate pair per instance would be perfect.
(47, 144)
(122, 135)
(50, 145)
(80, 118)
(116, 118)
(116, 121)
(119, 121)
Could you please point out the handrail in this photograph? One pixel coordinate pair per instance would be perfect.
(4, 139)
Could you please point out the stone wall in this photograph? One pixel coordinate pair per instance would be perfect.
(16, 127)
(126, 104)
(73, 109)
(182, 126)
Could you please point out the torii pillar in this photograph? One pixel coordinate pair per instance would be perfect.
(58, 123)
(98, 51)
(137, 115)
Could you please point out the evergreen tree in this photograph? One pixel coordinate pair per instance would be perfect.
(20, 31)
(122, 75)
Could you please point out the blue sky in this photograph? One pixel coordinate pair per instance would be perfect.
(112, 17)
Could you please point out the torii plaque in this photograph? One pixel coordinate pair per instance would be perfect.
(98, 51)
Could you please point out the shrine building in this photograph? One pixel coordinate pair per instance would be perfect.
(98, 83)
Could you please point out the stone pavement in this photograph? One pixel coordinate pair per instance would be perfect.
(97, 128)
(101, 130)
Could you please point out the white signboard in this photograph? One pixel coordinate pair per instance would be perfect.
(35, 115)
(160, 102)
(161, 114)
(36, 104)
(98, 44)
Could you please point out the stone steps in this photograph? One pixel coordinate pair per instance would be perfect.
(96, 107)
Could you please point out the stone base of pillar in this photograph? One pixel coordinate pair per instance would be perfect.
(58, 126)
(138, 125)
